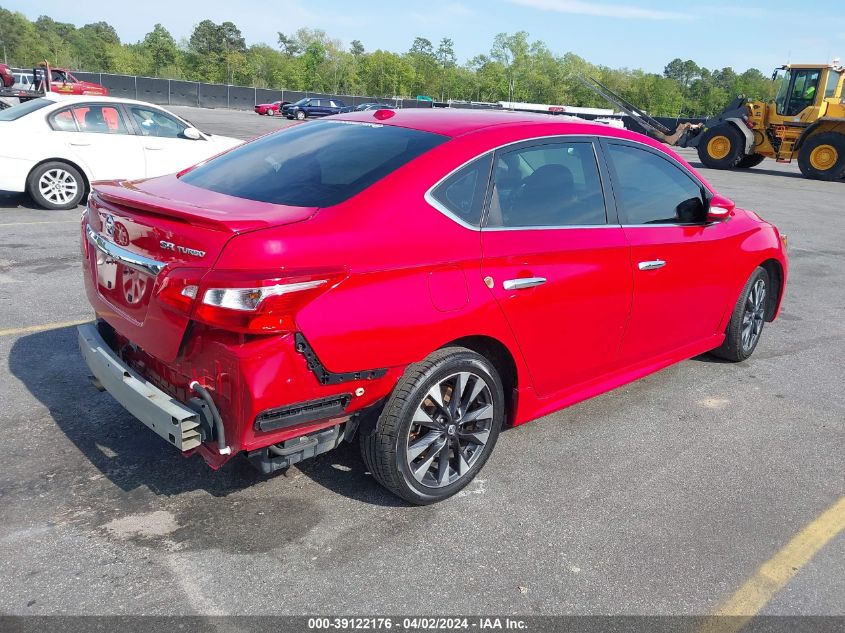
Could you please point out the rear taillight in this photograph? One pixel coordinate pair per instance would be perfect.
(246, 302)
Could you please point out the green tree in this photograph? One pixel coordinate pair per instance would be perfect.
(313, 58)
(160, 47)
(288, 45)
(356, 48)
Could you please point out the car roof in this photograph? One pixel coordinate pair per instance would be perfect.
(457, 122)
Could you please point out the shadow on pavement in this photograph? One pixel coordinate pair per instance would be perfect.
(130, 455)
(707, 357)
(10, 200)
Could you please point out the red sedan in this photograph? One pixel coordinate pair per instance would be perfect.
(417, 278)
(270, 109)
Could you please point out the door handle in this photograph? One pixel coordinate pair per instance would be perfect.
(153, 147)
(524, 282)
(651, 265)
(78, 144)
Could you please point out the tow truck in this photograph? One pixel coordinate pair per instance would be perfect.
(46, 79)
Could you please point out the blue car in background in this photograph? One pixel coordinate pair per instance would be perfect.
(313, 106)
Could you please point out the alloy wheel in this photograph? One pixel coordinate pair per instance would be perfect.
(754, 315)
(58, 186)
(450, 429)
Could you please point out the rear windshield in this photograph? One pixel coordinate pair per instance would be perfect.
(22, 109)
(317, 164)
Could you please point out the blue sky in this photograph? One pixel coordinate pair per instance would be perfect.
(637, 34)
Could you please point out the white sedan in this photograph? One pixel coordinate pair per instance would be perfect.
(55, 146)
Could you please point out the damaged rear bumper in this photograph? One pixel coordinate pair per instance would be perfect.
(167, 417)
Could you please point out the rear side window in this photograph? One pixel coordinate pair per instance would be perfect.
(63, 121)
(317, 164)
(91, 118)
(462, 193)
(652, 190)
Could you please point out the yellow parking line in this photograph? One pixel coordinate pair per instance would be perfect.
(44, 222)
(30, 329)
(777, 571)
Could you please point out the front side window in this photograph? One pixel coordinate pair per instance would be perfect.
(156, 123)
(462, 193)
(798, 91)
(60, 76)
(316, 164)
(552, 185)
(652, 190)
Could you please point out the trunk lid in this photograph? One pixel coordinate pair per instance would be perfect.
(139, 233)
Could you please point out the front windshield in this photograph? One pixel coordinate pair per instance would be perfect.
(22, 109)
(301, 101)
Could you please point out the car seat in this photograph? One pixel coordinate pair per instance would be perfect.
(95, 121)
(542, 197)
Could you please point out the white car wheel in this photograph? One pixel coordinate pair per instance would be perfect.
(56, 185)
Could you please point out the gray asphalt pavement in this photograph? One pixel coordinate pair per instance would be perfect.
(661, 497)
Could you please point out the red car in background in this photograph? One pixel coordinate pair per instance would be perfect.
(7, 80)
(270, 109)
(418, 278)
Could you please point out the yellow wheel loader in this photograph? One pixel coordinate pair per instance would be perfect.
(805, 122)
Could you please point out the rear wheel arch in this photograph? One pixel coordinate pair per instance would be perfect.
(819, 127)
(502, 359)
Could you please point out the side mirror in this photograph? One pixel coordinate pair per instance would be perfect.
(719, 208)
(192, 133)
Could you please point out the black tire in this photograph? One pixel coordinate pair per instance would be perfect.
(70, 185)
(300, 115)
(735, 147)
(752, 160)
(736, 348)
(835, 144)
(386, 441)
